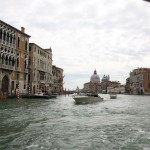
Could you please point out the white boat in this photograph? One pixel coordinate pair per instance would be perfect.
(85, 99)
(113, 96)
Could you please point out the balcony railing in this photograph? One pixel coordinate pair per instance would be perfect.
(8, 67)
(26, 70)
(41, 69)
(42, 81)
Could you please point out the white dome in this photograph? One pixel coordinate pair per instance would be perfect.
(95, 78)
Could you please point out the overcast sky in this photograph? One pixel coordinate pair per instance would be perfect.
(112, 37)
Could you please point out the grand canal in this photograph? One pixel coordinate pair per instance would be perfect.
(60, 124)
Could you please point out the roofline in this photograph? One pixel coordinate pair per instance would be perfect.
(40, 47)
(57, 67)
(14, 28)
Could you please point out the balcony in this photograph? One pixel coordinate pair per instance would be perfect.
(41, 69)
(50, 82)
(7, 67)
(42, 81)
(26, 70)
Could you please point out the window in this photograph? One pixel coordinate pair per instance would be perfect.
(30, 48)
(17, 76)
(17, 62)
(0, 33)
(148, 76)
(25, 64)
(4, 38)
(7, 37)
(17, 86)
(14, 40)
(26, 44)
(29, 77)
(18, 42)
(11, 38)
(13, 62)
(3, 59)
(12, 85)
(42, 76)
(6, 61)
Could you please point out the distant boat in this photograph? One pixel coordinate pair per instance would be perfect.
(85, 99)
(113, 96)
(39, 96)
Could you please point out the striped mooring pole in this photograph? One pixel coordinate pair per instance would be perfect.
(18, 92)
(29, 90)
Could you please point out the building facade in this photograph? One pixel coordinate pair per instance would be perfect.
(127, 86)
(86, 87)
(58, 77)
(140, 81)
(40, 69)
(105, 83)
(25, 68)
(14, 53)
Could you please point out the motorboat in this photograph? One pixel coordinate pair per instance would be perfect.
(113, 96)
(87, 98)
(39, 96)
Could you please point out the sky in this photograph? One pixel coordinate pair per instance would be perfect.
(112, 37)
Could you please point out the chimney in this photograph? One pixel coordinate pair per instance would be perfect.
(23, 29)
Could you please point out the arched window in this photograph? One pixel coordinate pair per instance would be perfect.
(0, 33)
(25, 64)
(3, 59)
(11, 38)
(18, 42)
(6, 60)
(14, 39)
(10, 61)
(13, 62)
(4, 38)
(26, 44)
(7, 37)
(12, 85)
(17, 60)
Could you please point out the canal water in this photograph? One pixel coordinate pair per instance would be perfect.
(60, 124)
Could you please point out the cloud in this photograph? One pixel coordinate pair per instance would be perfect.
(110, 36)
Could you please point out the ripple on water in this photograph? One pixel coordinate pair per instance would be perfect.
(60, 124)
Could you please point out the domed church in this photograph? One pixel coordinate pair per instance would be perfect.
(95, 78)
(94, 85)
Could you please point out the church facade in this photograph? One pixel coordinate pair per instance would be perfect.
(94, 85)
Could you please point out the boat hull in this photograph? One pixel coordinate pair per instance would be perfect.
(39, 96)
(87, 99)
(113, 96)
